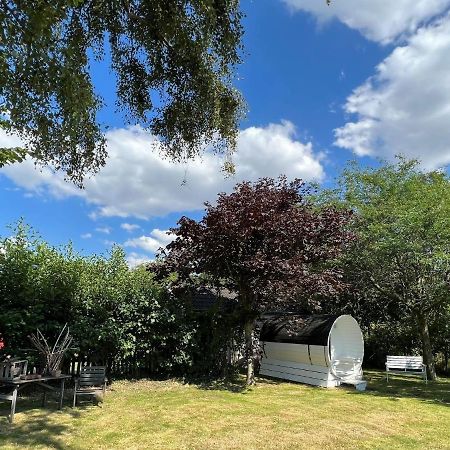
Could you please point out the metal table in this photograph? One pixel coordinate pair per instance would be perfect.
(17, 385)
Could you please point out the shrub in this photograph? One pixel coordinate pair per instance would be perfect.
(117, 315)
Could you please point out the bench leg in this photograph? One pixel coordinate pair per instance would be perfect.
(13, 405)
(387, 376)
(74, 397)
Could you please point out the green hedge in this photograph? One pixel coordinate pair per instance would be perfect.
(116, 314)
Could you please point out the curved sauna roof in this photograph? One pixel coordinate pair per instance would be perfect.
(297, 329)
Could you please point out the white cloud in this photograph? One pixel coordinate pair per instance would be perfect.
(405, 107)
(157, 239)
(86, 236)
(129, 227)
(9, 140)
(34, 179)
(104, 230)
(162, 236)
(136, 259)
(137, 181)
(379, 20)
(144, 242)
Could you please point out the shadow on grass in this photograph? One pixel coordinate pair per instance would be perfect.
(232, 384)
(237, 384)
(436, 392)
(41, 427)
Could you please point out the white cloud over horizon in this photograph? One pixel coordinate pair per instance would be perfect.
(138, 182)
(405, 107)
(134, 259)
(383, 21)
(157, 239)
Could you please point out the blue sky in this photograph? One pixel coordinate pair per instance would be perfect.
(356, 80)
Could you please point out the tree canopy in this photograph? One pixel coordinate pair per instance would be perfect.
(401, 259)
(174, 63)
(265, 242)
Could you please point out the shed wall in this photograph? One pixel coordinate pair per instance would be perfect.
(296, 362)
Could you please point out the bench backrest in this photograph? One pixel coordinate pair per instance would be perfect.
(404, 362)
(92, 376)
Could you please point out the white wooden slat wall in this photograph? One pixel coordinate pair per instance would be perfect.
(317, 354)
(293, 362)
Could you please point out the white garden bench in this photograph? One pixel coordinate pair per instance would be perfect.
(406, 365)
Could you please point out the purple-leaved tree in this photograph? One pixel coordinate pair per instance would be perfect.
(266, 242)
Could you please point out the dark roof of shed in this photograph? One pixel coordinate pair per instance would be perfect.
(203, 299)
(297, 328)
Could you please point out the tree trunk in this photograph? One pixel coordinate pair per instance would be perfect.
(426, 345)
(249, 351)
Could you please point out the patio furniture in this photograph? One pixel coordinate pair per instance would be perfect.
(13, 386)
(92, 380)
(13, 368)
(406, 365)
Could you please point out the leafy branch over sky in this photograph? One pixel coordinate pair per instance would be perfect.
(174, 63)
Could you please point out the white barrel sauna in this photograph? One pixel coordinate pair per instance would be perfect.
(322, 350)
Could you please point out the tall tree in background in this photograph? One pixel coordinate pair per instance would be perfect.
(401, 260)
(265, 242)
(174, 62)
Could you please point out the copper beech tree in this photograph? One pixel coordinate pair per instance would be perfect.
(265, 242)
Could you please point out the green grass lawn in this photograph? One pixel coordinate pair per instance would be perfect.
(273, 415)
